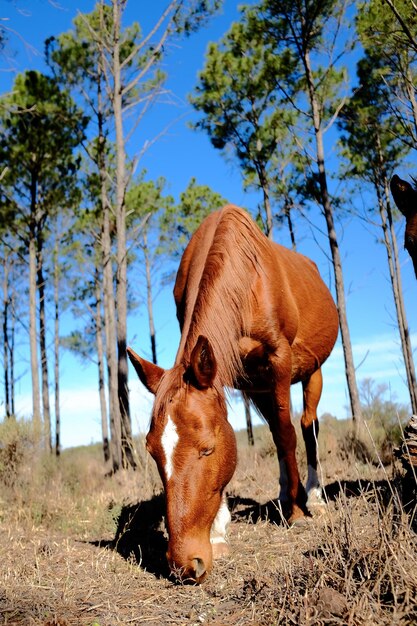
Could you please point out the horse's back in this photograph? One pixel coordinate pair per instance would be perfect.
(288, 297)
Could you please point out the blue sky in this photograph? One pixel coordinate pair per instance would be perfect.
(178, 155)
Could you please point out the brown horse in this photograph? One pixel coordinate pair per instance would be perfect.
(254, 316)
(405, 196)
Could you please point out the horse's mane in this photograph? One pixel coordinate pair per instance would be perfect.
(223, 299)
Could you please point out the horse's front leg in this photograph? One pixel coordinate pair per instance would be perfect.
(275, 407)
(292, 492)
(283, 432)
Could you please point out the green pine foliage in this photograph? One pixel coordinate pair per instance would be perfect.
(40, 129)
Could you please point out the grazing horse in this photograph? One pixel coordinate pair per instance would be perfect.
(254, 316)
(405, 196)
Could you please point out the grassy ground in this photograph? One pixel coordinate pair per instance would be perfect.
(77, 548)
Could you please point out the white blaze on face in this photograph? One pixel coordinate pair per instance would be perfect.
(169, 440)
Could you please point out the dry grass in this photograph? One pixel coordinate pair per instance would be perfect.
(77, 548)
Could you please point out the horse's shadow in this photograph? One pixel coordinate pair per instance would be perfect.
(381, 490)
(252, 511)
(398, 494)
(141, 536)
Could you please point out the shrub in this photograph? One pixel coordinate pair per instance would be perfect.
(17, 442)
(384, 418)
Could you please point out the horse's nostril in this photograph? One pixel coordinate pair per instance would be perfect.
(199, 567)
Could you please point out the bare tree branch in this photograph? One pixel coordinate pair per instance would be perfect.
(155, 29)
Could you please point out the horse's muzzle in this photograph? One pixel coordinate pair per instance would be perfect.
(193, 568)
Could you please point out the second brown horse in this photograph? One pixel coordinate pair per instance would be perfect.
(405, 196)
(254, 316)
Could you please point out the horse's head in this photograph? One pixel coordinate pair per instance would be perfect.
(405, 197)
(194, 448)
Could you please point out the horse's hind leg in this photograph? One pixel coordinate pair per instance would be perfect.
(310, 428)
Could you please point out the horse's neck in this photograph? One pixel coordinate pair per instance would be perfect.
(189, 276)
(205, 314)
(190, 330)
(214, 286)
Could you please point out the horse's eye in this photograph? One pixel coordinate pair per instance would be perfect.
(206, 451)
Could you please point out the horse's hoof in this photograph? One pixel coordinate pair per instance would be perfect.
(314, 494)
(220, 550)
(315, 502)
(317, 509)
(299, 523)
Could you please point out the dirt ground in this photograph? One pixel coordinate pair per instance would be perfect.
(355, 563)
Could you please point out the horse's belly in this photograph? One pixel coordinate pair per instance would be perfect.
(262, 379)
(306, 359)
(255, 384)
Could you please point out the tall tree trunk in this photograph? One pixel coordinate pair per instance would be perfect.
(42, 344)
(56, 352)
(287, 212)
(100, 357)
(121, 275)
(149, 296)
(334, 248)
(263, 180)
(111, 355)
(390, 240)
(34, 365)
(108, 292)
(6, 349)
(11, 350)
(248, 419)
(399, 307)
(391, 246)
(411, 93)
(110, 331)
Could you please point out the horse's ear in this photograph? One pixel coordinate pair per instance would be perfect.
(404, 195)
(203, 363)
(149, 373)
